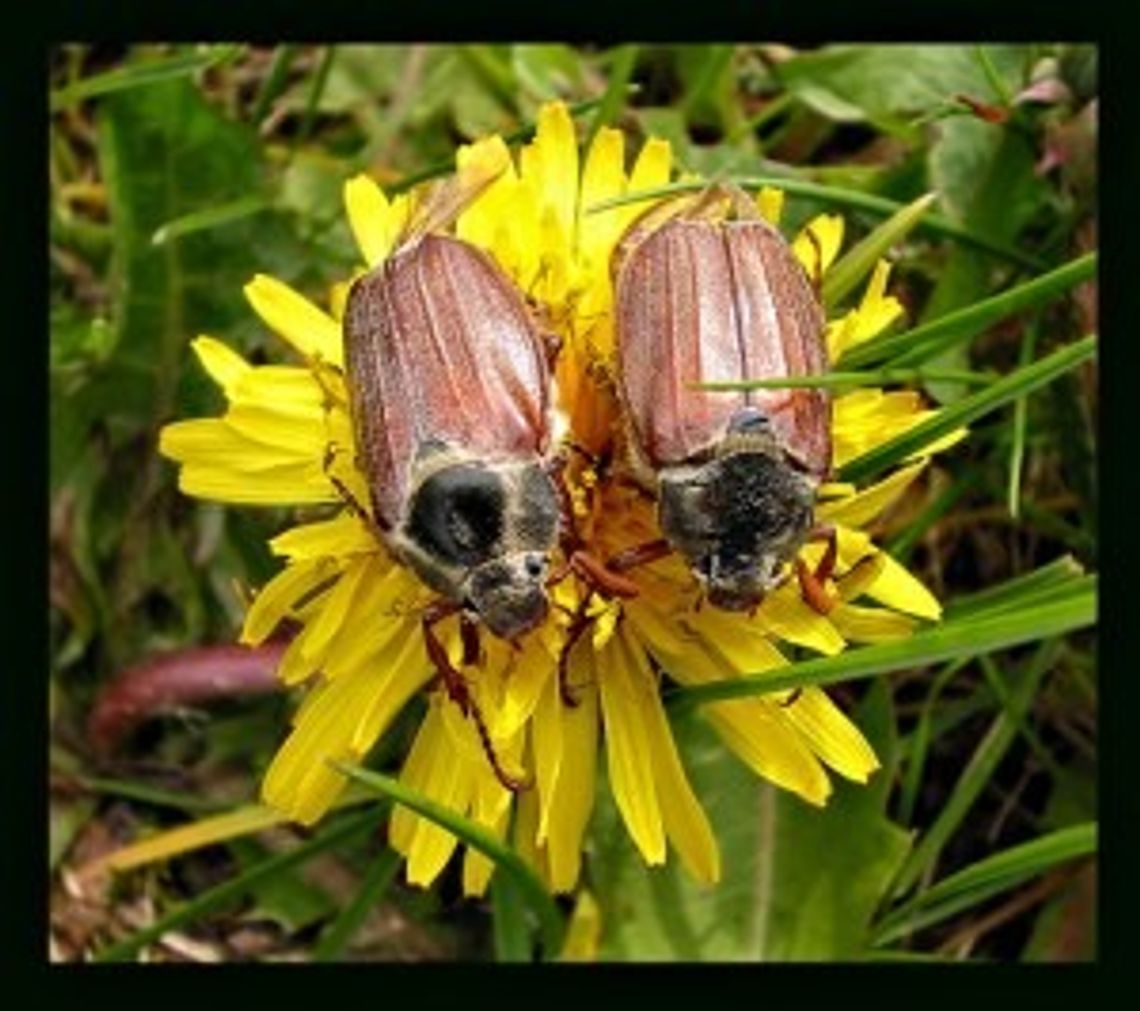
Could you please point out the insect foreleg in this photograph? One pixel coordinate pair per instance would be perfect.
(457, 690)
(812, 583)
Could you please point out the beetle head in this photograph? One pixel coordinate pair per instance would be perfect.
(481, 534)
(738, 520)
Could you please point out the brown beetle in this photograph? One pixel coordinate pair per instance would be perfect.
(450, 392)
(699, 300)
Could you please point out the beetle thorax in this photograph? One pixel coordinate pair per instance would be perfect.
(738, 518)
(480, 533)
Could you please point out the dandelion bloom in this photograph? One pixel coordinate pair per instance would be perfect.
(360, 650)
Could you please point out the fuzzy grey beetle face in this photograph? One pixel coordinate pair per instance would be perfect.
(483, 534)
(737, 520)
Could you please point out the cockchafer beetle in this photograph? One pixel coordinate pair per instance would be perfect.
(701, 298)
(451, 401)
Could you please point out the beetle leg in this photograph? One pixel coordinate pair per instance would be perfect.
(353, 503)
(812, 583)
(792, 699)
(610, 582)
(469, 633)
(457, 691)
(578, 625)
(639, 554)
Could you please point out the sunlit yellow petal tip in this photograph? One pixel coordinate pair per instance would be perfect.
(311, 330)
(818, 243)
(770, 202)
(831, 735)
(223, 364)
(369, 217)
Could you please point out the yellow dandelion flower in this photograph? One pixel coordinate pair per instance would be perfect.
(587, 681)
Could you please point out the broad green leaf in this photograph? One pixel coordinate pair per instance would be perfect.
(891, 84)
(788, 892)
(986, 173)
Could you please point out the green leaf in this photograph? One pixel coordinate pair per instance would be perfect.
(477, 837)
(843, 276)
(788, 891)
(988, 877)
(339, 832)
(930, 339)
(1032, 619)
(969, 409)
(833, 380)
(891, 84)
(143, 72)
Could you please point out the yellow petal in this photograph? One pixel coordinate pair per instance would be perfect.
(583, 932)
(871, 624)
(567, 798)
(685, 821)
(787, 616)
(275, 600)
(769, 747)
(312, 331)
(829, 733)
(369, 218)
(770, 202)
(864, 506)
(222, 363)
(897, 588)
(650, 171)
(816, 256)
(625, 698)
(344, 534)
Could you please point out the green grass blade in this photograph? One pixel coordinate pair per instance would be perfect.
(136, 75)
(877, 377)
(988, 877)
(376, 882)
(932, 339)
(211, 217)
(969, 409)
(1020, 422)
(238, 886)
(920, 742)
(1063, 571)
(611, 101)
(948, 641)
(505, 859)
(846, 273)
(977, 773)
(316, 89)
(837, 196)
(274, 81)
